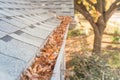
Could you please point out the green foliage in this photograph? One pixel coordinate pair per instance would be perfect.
(75, 32)
(91, 68)
(116, 36)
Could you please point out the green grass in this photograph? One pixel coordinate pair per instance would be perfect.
(113, 58)
(75, 32)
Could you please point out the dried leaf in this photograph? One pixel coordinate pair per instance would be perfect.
(43, 65)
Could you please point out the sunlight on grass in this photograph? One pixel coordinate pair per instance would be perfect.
(113, 58)
(112, 26)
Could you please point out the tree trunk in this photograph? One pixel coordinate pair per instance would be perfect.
(98, 39)
(97, 44)
(98, 33)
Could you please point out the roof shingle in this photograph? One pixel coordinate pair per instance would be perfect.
(24, 27)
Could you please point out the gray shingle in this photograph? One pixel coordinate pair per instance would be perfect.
(5, 13)
(10, 68)
(26, 20)
(18, 49)
(6, 38)
(8, 28)
(58, 6)
(2, 34)
(15, 22)
(24, 26)
(39, 32)
(44, 27)
(13, 12)
(27, 38)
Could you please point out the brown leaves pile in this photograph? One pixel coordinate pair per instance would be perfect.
(43, 65)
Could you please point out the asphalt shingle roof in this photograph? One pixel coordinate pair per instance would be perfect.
(24, 27)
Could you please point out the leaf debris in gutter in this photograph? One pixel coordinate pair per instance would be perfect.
(44, 64)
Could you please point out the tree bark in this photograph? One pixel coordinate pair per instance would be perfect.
(98, 28)
(97, 44)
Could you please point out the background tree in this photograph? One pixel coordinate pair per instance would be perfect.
(97, 12)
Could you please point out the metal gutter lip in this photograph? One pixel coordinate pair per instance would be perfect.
(57, 69)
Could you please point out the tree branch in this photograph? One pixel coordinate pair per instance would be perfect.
(92, 4)
(112, 9)
(103, 7)
(101, 20)
(82, 9)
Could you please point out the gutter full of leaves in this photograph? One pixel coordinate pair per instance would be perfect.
(43, 65)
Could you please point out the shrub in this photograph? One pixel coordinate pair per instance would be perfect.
(91, 68)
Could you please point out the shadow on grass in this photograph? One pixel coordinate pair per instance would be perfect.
(113, 48)
(111, 34)
(111, 42)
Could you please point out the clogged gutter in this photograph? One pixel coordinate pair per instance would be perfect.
(43, 65)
